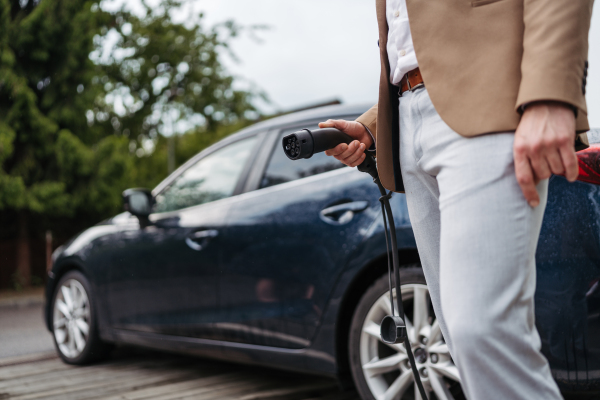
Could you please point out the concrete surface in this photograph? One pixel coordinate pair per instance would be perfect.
(138, 374)
(22, 329)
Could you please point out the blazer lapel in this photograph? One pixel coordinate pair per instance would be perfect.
(382, 23)
(383, 34)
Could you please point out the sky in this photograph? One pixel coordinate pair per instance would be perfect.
(319, 50)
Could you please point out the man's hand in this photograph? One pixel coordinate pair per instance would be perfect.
(544, 145)
(354, 153)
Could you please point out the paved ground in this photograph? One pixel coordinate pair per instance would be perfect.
(22, 329)
(135, 374)
(30, 369)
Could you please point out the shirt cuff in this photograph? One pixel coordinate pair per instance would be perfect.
(372, 148)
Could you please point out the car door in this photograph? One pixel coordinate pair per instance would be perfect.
(286, 243)
(164, 278)
(567, 298)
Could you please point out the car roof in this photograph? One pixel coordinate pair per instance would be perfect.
(305, 115)
(322, 113)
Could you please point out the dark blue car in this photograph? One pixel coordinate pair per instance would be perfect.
(248, 256)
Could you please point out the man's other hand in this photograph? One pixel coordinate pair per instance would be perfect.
(354, 153)
(544, 144)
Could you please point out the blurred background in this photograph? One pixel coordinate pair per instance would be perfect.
(100, 96)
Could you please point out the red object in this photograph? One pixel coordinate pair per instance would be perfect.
(589, 165)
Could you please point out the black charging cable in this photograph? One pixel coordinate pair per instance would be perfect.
(305, 143)
(392, 322)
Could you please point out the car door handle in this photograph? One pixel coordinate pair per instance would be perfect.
(342, 213)
(199, 239)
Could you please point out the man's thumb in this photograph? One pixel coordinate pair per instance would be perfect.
(334, 123)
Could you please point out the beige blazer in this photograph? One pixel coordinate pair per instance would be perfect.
(481, 60)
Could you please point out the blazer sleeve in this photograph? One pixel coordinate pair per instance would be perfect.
(369, 120)
(555, 50)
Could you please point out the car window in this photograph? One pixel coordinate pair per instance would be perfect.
(281, 169)
(212, 178)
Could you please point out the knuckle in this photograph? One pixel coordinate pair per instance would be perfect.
(536, 147)
(571, 161)
(520, 149)
(548, 143)
(563, 141)
(524, 180)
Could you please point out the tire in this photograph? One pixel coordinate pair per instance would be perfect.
(381, 371)
(74, 322)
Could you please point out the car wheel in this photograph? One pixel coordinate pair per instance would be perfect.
(382, 371)
(74, 321)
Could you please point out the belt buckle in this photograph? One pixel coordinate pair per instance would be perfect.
(412, 89)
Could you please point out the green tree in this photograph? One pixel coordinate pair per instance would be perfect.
(167, 78)
(44, 50)
(77, 117)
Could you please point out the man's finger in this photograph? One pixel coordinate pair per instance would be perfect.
(349, 151)
(569, 160)
(351, 159)
(334, 123)
(541, 169)
(359, 161)
(525, 179)
(555, 162)
(337, 150)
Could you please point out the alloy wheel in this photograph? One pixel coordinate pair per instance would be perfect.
(386, 367)
(71, 318)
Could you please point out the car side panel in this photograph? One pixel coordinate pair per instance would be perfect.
(372, 249)
(283, 258)
(567, 299)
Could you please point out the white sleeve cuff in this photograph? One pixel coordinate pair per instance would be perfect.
(372, 148)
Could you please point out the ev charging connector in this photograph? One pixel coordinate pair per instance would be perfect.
(303, 144)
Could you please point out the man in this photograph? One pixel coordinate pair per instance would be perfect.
(479, 102)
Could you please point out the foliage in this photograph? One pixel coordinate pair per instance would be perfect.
(85, 94)
(165, 77)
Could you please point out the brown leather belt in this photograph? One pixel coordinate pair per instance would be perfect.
(410, 81)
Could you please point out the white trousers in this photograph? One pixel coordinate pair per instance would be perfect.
(476, 236)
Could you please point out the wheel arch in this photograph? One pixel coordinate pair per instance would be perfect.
(365, 277)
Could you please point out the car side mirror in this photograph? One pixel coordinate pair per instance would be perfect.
(139, 203)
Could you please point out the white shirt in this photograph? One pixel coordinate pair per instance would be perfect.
(401, 52)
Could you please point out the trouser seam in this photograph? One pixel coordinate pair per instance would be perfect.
(417, 137)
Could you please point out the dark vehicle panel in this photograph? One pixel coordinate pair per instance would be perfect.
(568, 293)
(269, 270)
(164, 278)
(284, 255)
